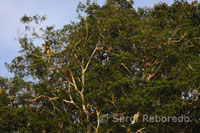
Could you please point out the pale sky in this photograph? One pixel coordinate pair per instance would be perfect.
(58, 12)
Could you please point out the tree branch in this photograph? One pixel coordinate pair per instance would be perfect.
(96, 48)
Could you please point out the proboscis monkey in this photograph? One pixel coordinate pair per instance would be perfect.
(147, 62)
(67, 74)
(47, 49)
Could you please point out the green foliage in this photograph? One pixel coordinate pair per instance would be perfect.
(121, 61)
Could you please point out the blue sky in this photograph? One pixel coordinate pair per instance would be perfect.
(59, 12)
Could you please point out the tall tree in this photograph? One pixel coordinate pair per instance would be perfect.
(99, 72)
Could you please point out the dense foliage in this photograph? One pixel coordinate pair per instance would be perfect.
(119, 60)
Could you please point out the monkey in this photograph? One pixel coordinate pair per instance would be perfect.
(67, 74)
(147, 76)
(148, 64)
(1, 90)
(159, 46)
(147, 61)
(47, 49)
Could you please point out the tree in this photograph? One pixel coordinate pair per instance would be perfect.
(115, 62)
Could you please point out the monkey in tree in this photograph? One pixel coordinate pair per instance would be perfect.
(159, 46)
(47, 49)
(1, 90)
(67, 74)
(147, 61)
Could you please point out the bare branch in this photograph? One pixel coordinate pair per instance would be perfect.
(98, 120)
(96, 48)
(182, 37)
(71, 102)
(77, 43)
(140, 130)
(83, 81)
(33, 100)
(74, 82)
(70, 97)
(136, 116)
(81, 64)
(126, 67)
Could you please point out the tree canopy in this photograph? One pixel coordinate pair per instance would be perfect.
(116, 61)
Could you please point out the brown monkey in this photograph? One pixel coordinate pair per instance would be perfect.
(159, 46)
(67, 74)
(147, 61)
(47, 49)
(148, 64)
(1, 90)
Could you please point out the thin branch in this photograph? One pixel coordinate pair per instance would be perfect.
(126, 67)
(182, 37)
(81, 64)
(136, 116)
(83, 81)
(74, 82)
(33, 100)
(70, 97)
(71, 102)
(98, 120)
(140, 130)
(51, 100)
(96, 48)
(77, 43)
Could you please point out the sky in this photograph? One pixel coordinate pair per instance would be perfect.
(58, 12)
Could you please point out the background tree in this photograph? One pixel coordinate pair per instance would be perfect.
(116, 60)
